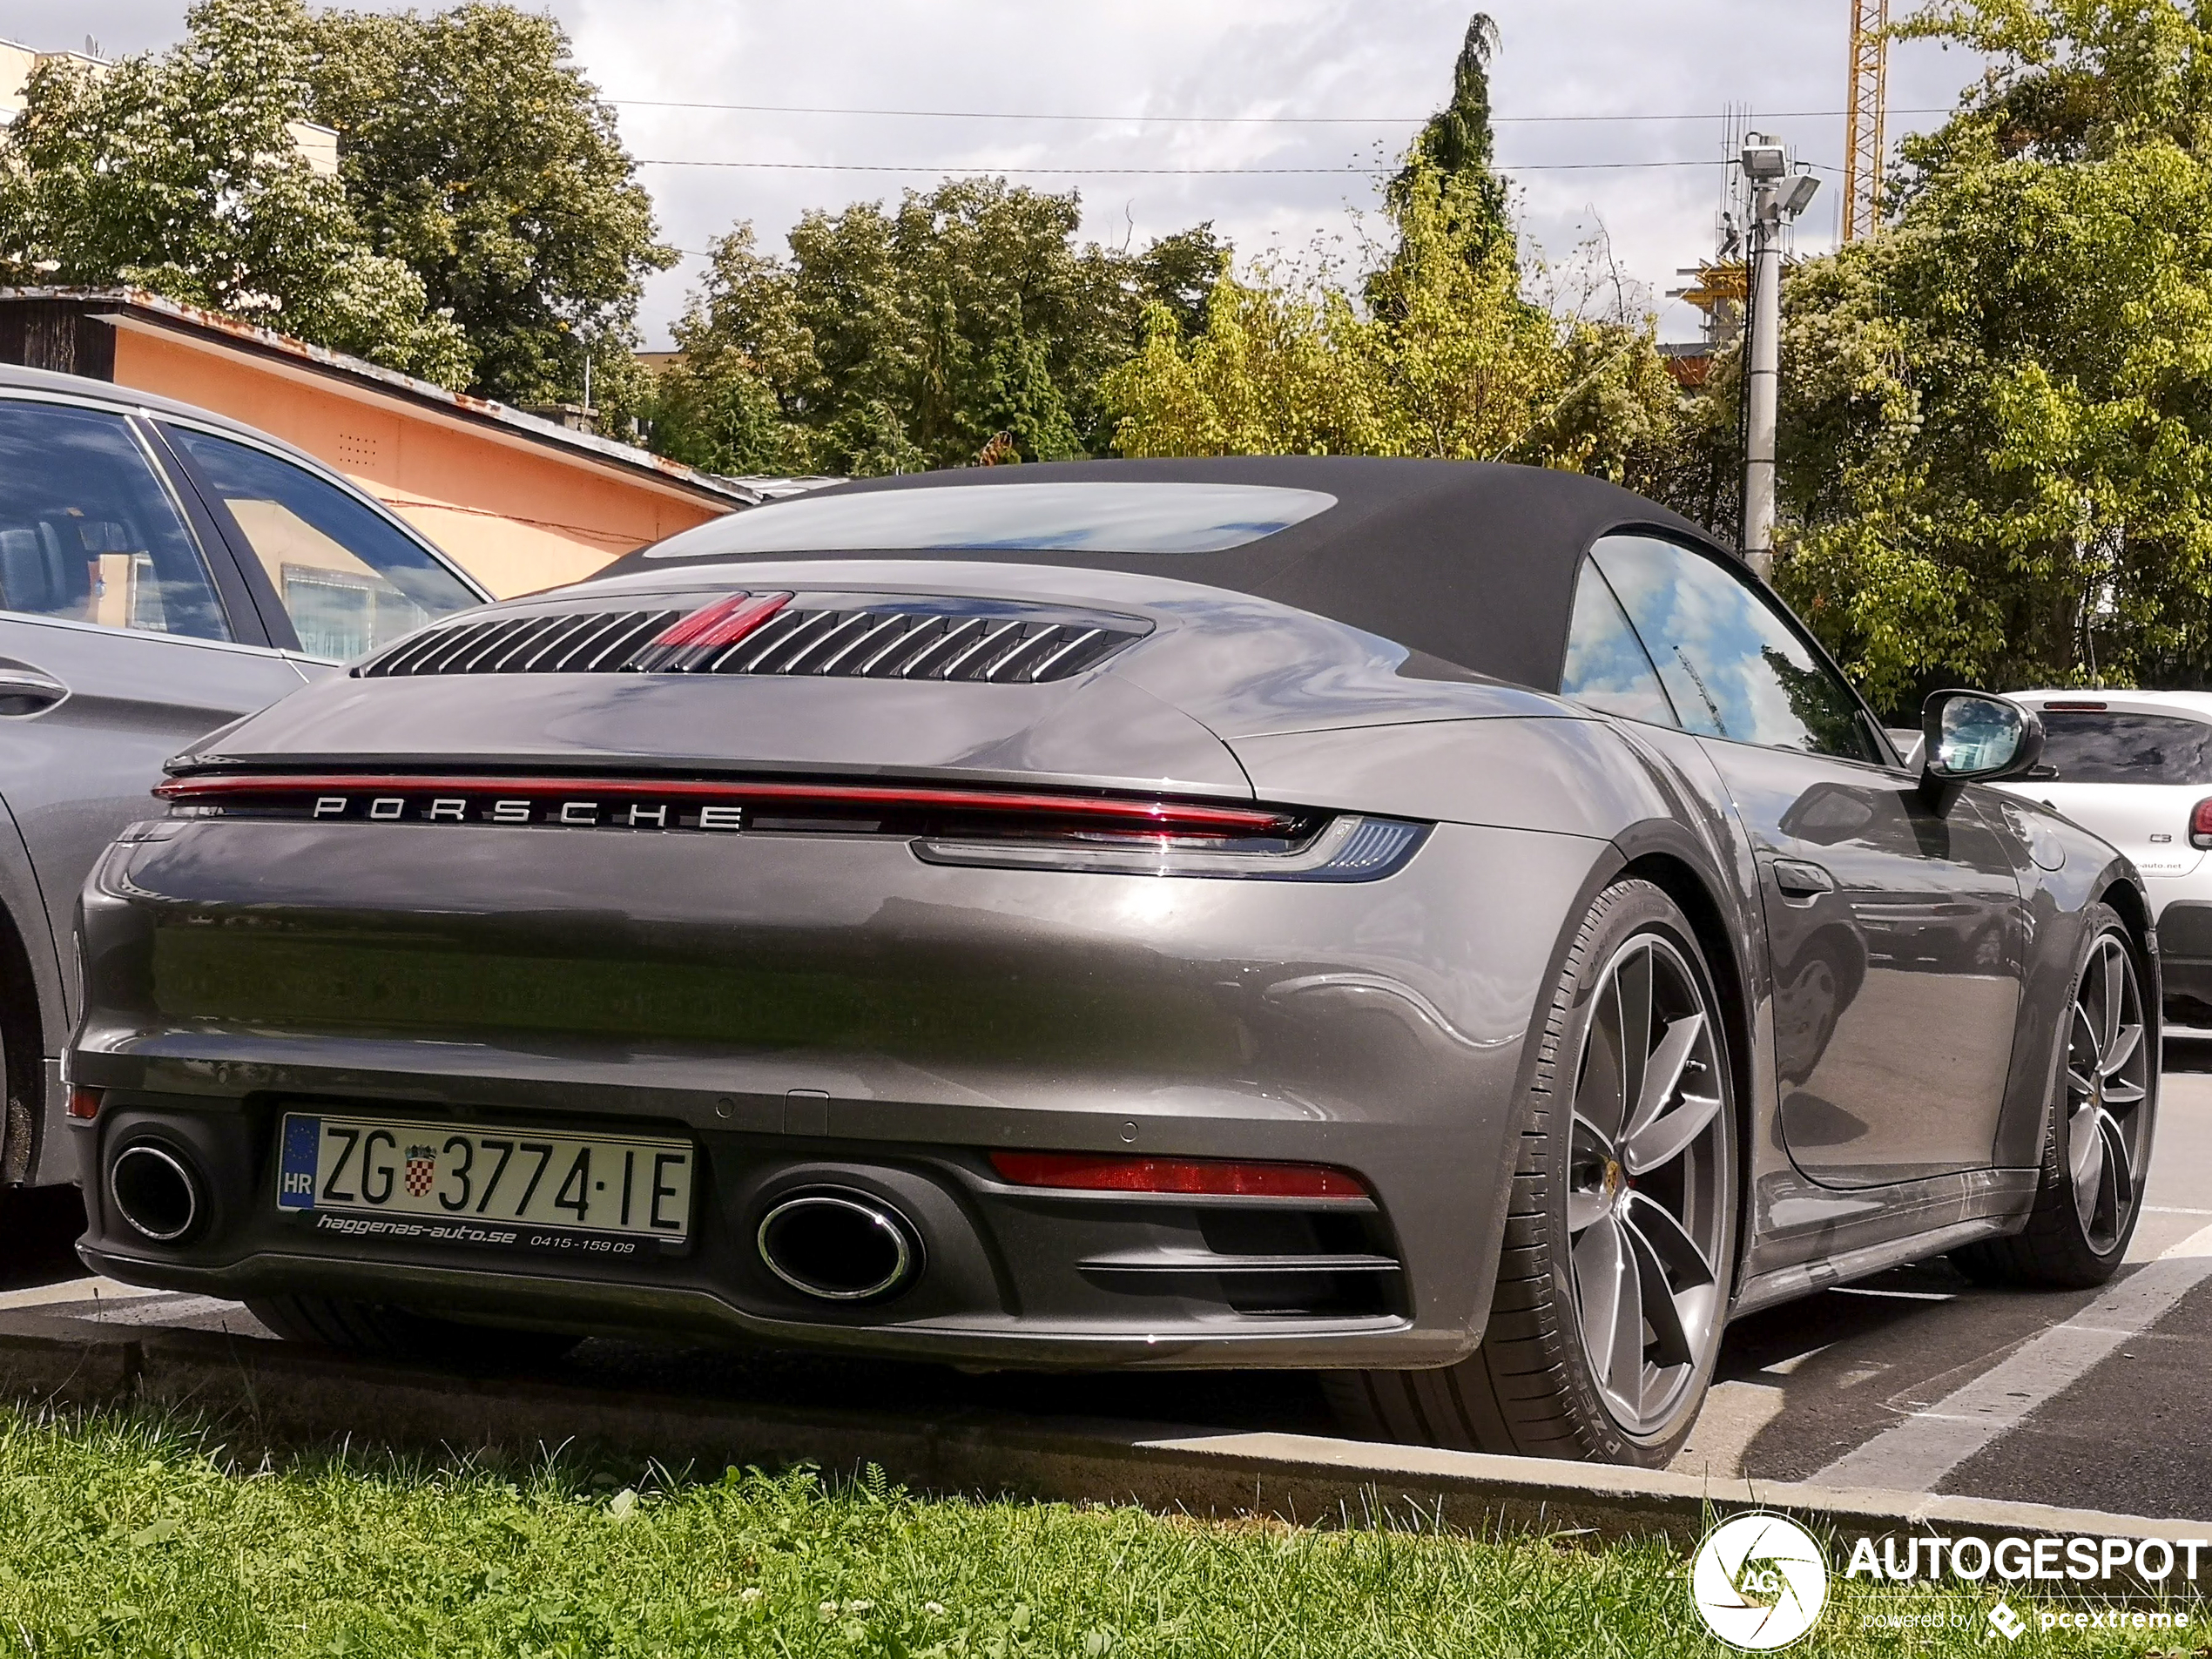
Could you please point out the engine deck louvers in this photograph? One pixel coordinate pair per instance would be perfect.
(776, 634)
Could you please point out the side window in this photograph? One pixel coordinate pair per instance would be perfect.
(1733, 665)
(1606, 666)
(350, 581)
(88, 531)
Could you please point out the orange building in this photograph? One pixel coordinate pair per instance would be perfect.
(523, 504)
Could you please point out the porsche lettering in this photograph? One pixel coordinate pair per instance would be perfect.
(581, 812)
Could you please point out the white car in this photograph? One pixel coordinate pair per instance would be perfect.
(2135, 767)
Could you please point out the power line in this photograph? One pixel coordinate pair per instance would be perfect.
(984, 167)
(1215, 120)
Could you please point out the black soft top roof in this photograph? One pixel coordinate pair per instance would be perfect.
(1463, 561)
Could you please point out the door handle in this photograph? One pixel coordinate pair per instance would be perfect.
(1799, 879)
(26, 690)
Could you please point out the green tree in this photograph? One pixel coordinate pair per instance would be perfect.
(472, 149)
(1456, 146)
(1279, 369)
(1446, 359)
(1179, 271)
(1442, 356)
(176, 172)
(896, 339)
(1998, 414)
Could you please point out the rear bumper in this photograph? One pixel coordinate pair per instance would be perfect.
(844, 1015)
(1010, 1278)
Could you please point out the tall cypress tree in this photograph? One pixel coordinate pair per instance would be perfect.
(1456, 146)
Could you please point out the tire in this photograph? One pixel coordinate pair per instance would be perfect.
(399, 1333)
(1599, 1204)
(2096, 1146)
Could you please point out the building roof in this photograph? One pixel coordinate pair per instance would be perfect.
(1470, 563)
(137, 308)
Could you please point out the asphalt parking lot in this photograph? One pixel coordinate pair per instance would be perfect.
(1881, 1382)
(1918, 1381)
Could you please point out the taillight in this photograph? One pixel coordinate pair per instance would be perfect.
(308, 795)
(993, 828)
(2200, 825)
(1204, 1177)
(83, 1102)
(1348, 848)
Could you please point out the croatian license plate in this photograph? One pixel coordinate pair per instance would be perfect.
(465, 1180)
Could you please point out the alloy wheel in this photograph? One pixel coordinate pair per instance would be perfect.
(1649, 1183)
(2107, 1084)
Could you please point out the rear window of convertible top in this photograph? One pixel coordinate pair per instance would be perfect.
(1102, 518)
(2115, 747)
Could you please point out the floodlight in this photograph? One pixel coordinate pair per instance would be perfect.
(1800, 193)
(1763, 159)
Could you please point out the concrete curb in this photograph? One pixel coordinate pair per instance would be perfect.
(272, 1394)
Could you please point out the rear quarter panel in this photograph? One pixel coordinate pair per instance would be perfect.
(2064, 870)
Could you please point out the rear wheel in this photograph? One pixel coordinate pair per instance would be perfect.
(2097, 1148)
(400, 1333)
(1613, 1286)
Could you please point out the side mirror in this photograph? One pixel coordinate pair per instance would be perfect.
(1972, 736)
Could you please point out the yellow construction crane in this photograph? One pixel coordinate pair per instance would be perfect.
(1862, 119)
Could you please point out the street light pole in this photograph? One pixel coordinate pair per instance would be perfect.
(1775, 196)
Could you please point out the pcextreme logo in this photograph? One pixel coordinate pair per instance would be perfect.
(1759, 1581)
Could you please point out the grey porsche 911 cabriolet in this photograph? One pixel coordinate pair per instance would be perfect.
(1447, 927)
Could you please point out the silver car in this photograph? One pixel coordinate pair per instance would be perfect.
(1447, 926)
(163, 571)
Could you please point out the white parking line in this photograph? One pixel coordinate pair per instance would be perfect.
(1927, 1446)
(1903, 1296)
(2196, 1246)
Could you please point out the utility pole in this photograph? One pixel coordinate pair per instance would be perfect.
(1777, 198)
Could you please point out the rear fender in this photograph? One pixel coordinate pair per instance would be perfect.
(1559, 776)
(2059, 904)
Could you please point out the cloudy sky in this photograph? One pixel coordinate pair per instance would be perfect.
(1579, 88)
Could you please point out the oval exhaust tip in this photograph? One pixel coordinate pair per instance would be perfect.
(155, 1191)
(839, 1246)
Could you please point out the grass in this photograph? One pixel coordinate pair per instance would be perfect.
(130, 1535)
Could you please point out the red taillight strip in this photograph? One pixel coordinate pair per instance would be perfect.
(1207, 1178)
(1162, 815)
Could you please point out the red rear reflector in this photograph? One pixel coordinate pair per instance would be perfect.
(1213, 1177)
(84, 1103)
(2200, 825)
